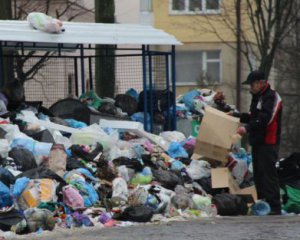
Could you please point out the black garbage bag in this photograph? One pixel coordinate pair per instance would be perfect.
(71, 108)
(23, 158)
(41, 172)
(167, 178)
(135, 214)
(6, 177)
(73, 163)
(9, 219)
(106, 171)
(148, 162)
(130, 163)
(161, 100)
(289, 168)
(79, 152)
(159, 118)
(205, 183)
(2, 133)
(127, 103)
(185, 161)
(42, 136)
(230, 205)
(108, 108)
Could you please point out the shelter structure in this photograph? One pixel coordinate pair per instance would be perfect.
(80, 40)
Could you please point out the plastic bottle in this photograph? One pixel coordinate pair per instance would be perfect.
(120, 191)
(261, 208)
(123, 172)
(212, 211)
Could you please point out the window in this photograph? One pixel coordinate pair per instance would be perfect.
(146, 5)
(198, 67)
(194, 6)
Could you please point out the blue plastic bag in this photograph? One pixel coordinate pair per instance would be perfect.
(75, 124)
(177, 165)
(133, 93)
(86, 173)
(176, 150)
(20, 185)
(37, 148)
(87, 191)
(5, 198)
(188, 98)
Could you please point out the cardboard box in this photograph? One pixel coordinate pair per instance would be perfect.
(222, 178)
(249, 191)
(215, 136)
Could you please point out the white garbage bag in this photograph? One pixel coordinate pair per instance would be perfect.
(45, 23)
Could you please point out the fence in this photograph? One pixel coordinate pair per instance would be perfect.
(62, 74)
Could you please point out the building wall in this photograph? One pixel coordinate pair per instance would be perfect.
(190, 28)
(206, 32)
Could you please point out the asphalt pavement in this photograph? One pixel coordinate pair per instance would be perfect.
(223, 228)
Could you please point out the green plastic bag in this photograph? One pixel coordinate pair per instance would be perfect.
(140, 179)
(293, 200)
(91, 98)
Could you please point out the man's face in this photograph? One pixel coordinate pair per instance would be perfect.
(256, 86)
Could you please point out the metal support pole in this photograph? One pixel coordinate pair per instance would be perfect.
(76, 76)
(150, 90)
(59, 49)
(22, 49)
(173, 66)
(82, 69)
(168, 90)
(91, 73)
(1, 66)
(145, 87)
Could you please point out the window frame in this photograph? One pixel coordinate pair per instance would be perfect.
(186, 11)
(205, 61)
(146, 6)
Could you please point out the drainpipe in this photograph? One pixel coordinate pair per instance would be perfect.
(238, 54)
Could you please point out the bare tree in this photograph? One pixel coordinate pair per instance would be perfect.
(264, 25)
(287, 61)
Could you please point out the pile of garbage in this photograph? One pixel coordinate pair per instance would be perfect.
(130, 105)
(62, 173)
(195, 101)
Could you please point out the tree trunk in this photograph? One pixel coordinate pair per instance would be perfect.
(105, 60)
(8, 71)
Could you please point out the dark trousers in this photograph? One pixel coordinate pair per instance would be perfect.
(264, 158)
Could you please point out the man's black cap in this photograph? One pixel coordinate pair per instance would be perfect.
(255, 76)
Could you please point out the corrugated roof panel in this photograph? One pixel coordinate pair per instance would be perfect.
(87, 33)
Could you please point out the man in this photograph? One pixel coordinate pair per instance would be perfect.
(263, 125)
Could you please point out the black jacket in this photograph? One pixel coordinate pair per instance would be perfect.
(263, 123)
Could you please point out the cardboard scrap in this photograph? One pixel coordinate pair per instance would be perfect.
(216, 134)
(222, 178)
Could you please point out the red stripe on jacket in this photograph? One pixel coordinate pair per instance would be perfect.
(272, 128)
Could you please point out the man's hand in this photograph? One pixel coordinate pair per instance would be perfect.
(230, 113)
(241, 131)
